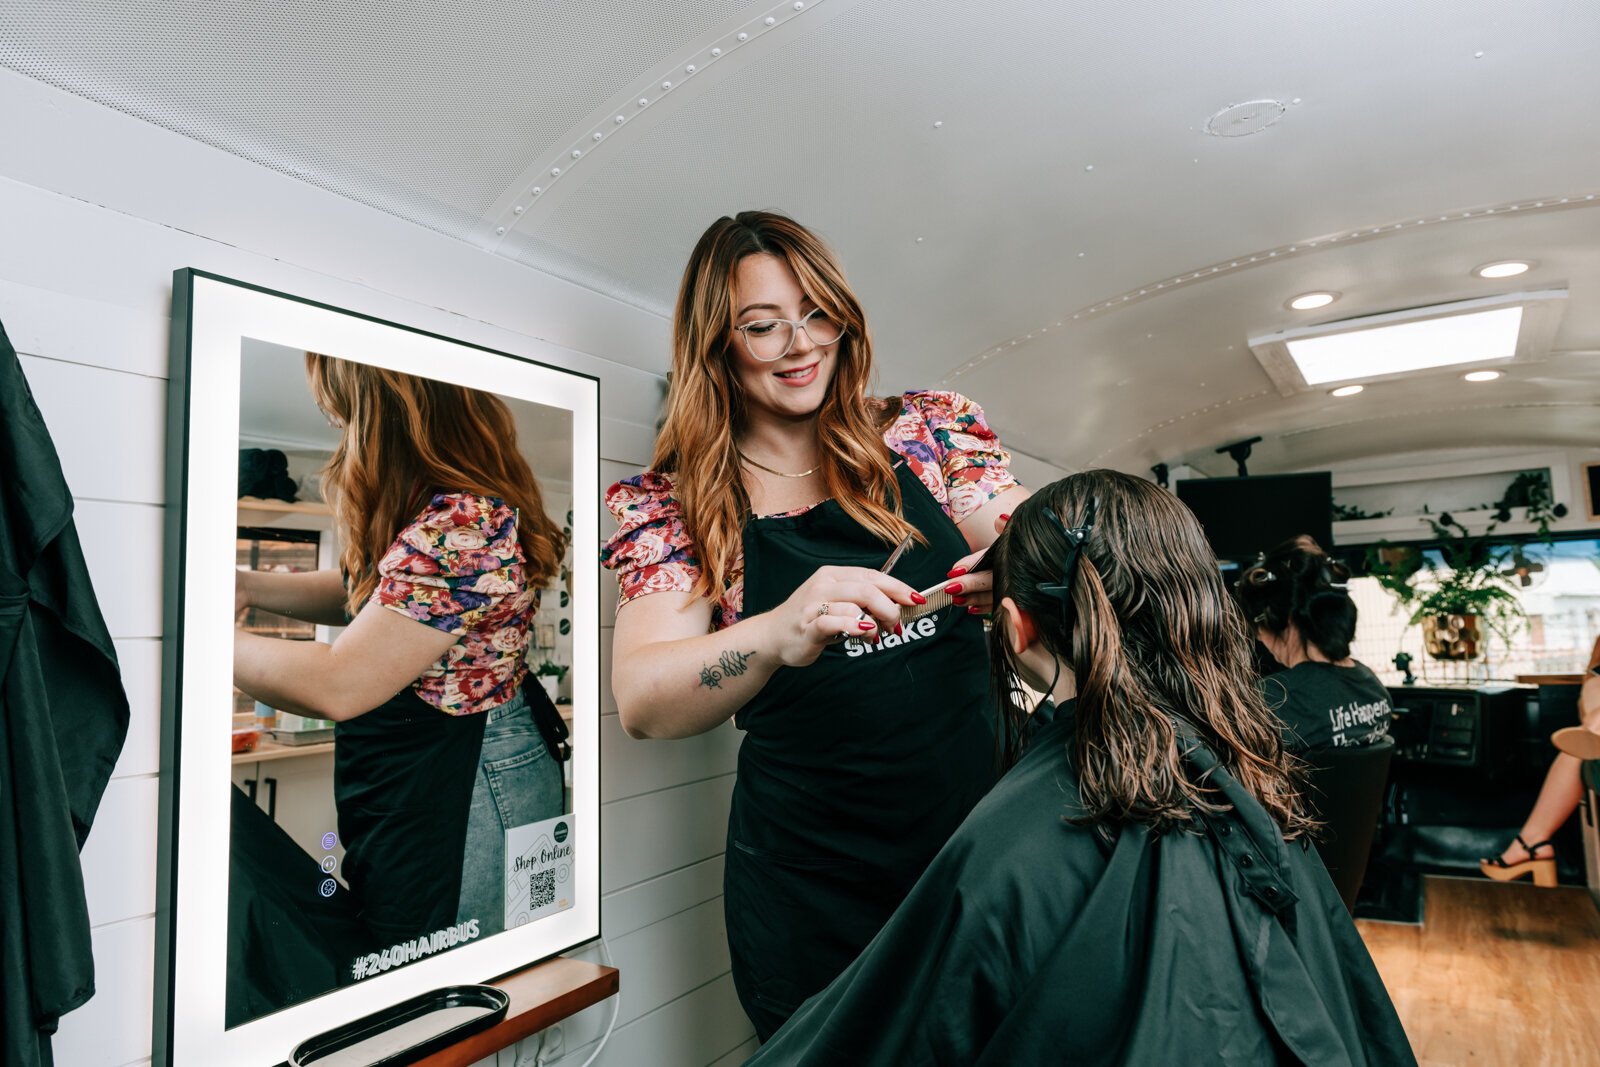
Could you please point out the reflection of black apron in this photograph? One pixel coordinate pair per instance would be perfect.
(402, 782)
(855, 770)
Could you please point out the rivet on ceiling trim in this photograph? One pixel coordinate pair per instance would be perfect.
(690, 61)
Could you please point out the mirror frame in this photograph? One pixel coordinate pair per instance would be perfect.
(211, 317)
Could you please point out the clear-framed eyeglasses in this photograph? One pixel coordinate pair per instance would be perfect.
(769, 340)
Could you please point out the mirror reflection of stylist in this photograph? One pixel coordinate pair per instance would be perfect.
(752, 548)
(445, 542)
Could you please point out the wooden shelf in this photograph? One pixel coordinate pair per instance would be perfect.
(287, 507)
(266, 750)
(285, 514)
(541, 996)
(1550, 679)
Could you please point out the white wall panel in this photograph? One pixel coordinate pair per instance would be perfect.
(140, 660)
(650, 835)
(667, 959)
(108, 428)
(635, 767)
(114, 1027)
(697, 1028)
(83, 329)
(122, 544)
(657, 899)
(119, 866)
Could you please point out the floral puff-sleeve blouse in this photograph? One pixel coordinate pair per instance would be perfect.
(943, 437)
(459, 568)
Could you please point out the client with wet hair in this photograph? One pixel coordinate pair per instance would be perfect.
(1297, 598)
(1137, 888)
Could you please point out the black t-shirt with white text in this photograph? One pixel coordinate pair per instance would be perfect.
(1324, 706)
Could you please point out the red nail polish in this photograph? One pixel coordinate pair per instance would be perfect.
(1005, 518)
(899, 629)
(865, 625)
(958, 600)
(974, 610)
(957, 572)
(918, 598)
(953, 587)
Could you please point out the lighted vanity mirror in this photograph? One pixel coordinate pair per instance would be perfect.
(381, 751)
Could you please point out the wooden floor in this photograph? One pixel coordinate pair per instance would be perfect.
(1497, 975)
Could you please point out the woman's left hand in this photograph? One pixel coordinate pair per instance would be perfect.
(974, 590)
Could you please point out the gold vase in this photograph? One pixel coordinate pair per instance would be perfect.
(1452, 637)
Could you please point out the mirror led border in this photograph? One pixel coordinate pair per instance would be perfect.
(212, 317)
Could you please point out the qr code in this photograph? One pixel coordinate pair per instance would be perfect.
(542, 889)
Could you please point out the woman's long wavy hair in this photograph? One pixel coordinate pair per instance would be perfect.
(1151, 637)
(706, 403)
(406, 438)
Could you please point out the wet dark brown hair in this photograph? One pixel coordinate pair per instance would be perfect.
(1152, 637)
(1300, 583)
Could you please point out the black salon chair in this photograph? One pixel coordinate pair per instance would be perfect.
(1347, 795)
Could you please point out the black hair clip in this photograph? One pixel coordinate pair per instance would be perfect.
(1076, 537)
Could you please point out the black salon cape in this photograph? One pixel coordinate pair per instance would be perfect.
(287, 942)
(63, 717)
(1028, 941)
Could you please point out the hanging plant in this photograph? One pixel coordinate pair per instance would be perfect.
(1531, 492)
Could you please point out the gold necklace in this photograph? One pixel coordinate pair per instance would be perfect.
(781, 474)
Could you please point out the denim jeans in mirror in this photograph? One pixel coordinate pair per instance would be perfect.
(518, 783)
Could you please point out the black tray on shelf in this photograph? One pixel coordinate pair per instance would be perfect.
(317, 1050)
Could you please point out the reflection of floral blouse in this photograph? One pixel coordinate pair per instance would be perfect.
(942, 436)
(459, 568)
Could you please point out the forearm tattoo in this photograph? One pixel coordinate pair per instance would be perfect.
(729, 665)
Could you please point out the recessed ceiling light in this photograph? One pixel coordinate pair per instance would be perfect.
(1311, 301)
(1346, 390)
(1508, 268)
(1481, 375)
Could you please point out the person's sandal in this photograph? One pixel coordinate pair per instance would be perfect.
(1543, 870)
(1577, 741)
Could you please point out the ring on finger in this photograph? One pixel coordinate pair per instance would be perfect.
(823, 610)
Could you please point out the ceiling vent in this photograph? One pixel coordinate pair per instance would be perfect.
(1241, 120)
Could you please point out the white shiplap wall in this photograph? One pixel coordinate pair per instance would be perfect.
(86, 257)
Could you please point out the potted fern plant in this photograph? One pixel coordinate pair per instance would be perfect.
(1458, 599)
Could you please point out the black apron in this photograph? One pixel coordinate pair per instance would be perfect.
(855, 770)
(402, 783)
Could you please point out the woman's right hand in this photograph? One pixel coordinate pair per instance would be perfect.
(835, 603)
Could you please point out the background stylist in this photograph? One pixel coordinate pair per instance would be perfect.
(777, 489)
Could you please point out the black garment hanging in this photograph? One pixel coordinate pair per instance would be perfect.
(63, 718)
(287, 940)
(402, 784)
(854, 770)
(1031, 941)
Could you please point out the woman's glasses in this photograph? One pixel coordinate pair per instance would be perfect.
(769, 340)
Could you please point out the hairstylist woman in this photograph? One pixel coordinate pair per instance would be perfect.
(1132, 891)
(444, 546)
(1299, 602)
(747, 554)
